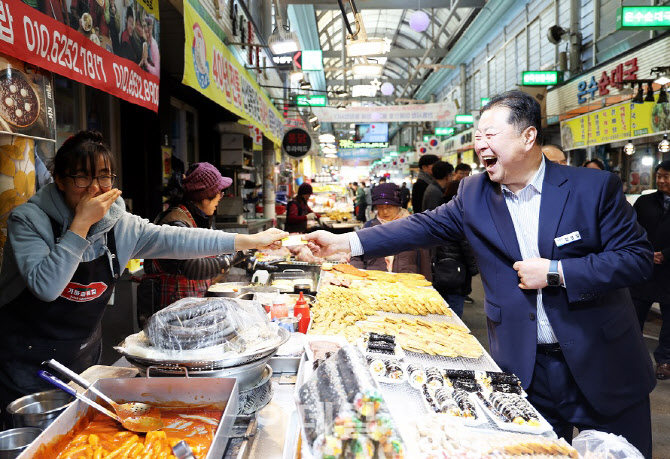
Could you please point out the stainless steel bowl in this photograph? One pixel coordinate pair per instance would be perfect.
(13, 441)
(39, 409)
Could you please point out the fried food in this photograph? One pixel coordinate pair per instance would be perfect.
(346, 268)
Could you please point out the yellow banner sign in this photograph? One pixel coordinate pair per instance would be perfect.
(211, 69)
(612, 124)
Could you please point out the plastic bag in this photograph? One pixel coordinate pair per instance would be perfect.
(593, 444)
(203, 328)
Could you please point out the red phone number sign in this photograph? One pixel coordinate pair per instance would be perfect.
(34, 37)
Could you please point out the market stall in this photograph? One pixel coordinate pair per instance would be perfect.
(399, 373)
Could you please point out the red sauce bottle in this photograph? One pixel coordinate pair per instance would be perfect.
(301, 307)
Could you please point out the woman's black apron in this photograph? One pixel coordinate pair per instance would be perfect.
(67, 329)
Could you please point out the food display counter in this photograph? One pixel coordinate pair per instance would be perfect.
(391, 341)
(252, 226)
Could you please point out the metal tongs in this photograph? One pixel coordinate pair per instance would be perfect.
(135, 416)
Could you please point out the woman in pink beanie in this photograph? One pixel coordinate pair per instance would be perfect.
(192, 200)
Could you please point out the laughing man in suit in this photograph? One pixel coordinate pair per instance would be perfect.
(557, 248)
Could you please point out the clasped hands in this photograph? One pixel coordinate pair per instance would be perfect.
(533, 273)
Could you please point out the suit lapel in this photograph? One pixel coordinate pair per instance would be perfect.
(503, 221)
(555, 191)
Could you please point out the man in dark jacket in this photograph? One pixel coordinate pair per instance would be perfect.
(425, 178)
(404, 195)
(653, 216)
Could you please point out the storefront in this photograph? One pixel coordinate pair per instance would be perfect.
(598, 116)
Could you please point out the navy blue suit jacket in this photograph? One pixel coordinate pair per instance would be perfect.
(593, 316)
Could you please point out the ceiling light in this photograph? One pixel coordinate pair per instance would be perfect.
(419, 21)
(305, 84)
(316, 126)
(650, 94)
(296, 76)
(629, 148)
(283, 42)
(368, 47)
(639, 97)
(363, 90)
(662, 80)
(647, 161)
(662, 96)
(367, 70)
(387, 88)
(341, 107)
(331, 155)
(313, 118)
(664, 146)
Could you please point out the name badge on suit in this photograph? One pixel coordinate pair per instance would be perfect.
(567, 239)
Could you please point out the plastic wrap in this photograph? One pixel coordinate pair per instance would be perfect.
(593, 444)
(343, 412)
(203, 329)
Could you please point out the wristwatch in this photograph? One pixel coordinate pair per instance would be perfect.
(553, 277)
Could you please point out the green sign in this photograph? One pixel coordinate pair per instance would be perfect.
(312, 60)
(465, 119)
(643, 17)
(444, 131)
(537, 78)
(485, 100)
(319, 100)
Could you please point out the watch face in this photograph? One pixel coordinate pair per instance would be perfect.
(553, 279)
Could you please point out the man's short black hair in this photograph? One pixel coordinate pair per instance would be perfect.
(525, 111)
(463, 167)
(427, 160)
(665, 165)
(355, 183)
(442, 169)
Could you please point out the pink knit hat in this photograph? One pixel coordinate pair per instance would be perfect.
(203, 181)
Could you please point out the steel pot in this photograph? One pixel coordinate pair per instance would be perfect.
(13, 441)
(247, 375)
(39, 409)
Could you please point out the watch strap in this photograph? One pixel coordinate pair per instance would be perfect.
(553, 266)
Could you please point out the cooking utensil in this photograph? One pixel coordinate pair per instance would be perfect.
(145, 424)
(39, 409)
(220, 393)
(182, 451)
(139, 414)
(13, 441)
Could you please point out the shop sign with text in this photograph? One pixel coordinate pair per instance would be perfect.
(211, 69)
(616, 123)
(296, 143)
(610, 78)
(643, 17)
(88, 44)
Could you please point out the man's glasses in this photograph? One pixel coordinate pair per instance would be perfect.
(84, 181)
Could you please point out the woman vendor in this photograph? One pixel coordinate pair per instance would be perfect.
(65, 251)
(387, 203)
(298, 212)
(192, 202)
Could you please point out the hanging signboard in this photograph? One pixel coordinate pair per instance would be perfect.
(26, 100)
(642, 17)
(615, 123)
(211, 69)
(296, 143)
(89, 44)
(443, 111)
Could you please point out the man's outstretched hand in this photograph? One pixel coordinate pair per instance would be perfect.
(323, 243)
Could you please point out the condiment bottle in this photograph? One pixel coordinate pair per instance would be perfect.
(302, 308)
(278, 309)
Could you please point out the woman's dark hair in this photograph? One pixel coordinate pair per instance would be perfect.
(525, 111)
(173, 191)
(79, 152)
(129, 12)
(595, 161)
